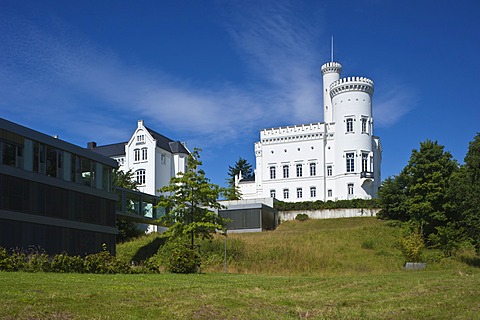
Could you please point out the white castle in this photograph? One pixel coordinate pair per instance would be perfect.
(337, 159)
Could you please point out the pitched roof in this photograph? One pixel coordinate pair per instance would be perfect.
(111, 150)
(168, 144)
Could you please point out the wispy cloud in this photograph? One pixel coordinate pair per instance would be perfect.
(392, 104)
(65, 78)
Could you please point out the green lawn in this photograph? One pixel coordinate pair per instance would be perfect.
(428, 294)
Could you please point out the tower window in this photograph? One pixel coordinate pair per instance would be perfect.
(285, 194)
(329, 171)
(350, 125)
(364, 125)
(313, 192)
(329, 193)
(365, 162)
(350, 162)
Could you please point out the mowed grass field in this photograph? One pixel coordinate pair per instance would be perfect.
(316, 269)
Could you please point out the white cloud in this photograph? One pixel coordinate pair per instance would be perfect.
(392, 104)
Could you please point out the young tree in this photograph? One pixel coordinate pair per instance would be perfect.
(190, 200)
(243, 166)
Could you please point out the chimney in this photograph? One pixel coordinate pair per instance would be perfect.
(91, 145)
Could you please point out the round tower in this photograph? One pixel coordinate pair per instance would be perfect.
(352, 101)
(331, 73)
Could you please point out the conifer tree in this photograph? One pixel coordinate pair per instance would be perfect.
(190, 201)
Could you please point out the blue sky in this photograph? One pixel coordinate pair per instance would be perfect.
(214, 73)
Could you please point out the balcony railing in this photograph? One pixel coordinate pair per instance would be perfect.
(366, 175)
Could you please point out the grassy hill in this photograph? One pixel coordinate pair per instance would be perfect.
(312, 247)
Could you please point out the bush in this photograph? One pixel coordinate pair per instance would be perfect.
(64, 263)
(178, 257)
(301, 217)
(412, 246)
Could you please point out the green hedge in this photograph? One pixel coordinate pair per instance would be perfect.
(320, 205)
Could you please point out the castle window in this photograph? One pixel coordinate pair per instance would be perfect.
(329, 193)
(285, 194)
(313, 192)
(136, 154)
(364, 125)
(313, 169)
(272, 173)
(329, 171)
(365, 162)
(140, 175)
(350, 189)
(285, 171)
(272, 193)
(299, 193)
(350, 162)
(350, 125)
(299, 170)
(144, 153)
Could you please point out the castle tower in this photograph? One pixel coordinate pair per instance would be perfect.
(331, 73)
(354, 144)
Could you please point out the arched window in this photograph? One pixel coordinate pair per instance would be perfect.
(144, 153)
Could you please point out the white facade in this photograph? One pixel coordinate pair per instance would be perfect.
(153, 158)
(152, 162)
(337, 159)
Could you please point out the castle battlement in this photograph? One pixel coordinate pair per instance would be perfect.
(330, 67)
(351, 84)
(292, 133)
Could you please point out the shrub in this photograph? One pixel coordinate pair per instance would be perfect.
(412, 246)
(37, 262)
(301, 217)
(4, 260)
(178, 257)
(64, 263)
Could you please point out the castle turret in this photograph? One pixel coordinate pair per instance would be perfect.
(331, 73)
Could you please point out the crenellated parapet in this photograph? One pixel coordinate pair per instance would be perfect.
(331, 67)
(351, 84)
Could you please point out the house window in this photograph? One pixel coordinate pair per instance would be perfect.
(329, 171)
(140, 175)
(313, 169)
(299, 170)
(272, 173)
(350, 189)
(350, 125)
(285, 171)
(144, 153)
(313, 192)
(272, 193)
(364, 125)
(365, 162)
(350, 162)
(136, 154)
(329, 193)
(162, 158)
(140, 138)
(299, 193)
(285, 193)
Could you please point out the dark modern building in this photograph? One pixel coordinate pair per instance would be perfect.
(53, 194)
